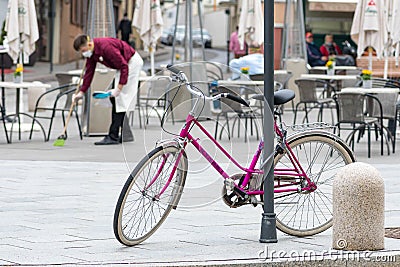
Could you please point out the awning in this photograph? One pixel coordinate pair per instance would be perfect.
(333, 5)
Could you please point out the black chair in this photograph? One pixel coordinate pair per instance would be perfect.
(62, 93)
(3, 118)
(352, 111)
(234, 110)
(308, 94)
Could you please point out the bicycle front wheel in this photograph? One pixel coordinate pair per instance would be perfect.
(151, 191)
(321, 155)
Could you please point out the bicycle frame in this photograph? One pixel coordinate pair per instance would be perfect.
(297, 171)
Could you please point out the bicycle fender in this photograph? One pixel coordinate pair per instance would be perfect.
(169, 142)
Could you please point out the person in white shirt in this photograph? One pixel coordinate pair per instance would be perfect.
(254, 61)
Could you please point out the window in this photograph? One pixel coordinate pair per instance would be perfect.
(79, 12)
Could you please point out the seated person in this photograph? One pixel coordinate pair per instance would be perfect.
(314, 56)
(330, 48)
(254, 61)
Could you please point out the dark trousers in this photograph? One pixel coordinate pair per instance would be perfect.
(117, 121)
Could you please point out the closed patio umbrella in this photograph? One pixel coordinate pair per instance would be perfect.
(369, 27)
(22, 29)
(148, 21)
(251, 23)
(393, 20)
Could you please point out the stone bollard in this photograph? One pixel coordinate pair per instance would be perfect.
(358, 208)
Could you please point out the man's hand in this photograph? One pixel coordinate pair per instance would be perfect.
(114, 92)
(324, 58)
(77, 96)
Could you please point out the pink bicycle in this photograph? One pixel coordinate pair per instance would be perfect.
(304, 167)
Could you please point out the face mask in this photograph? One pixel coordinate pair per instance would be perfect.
(328, 43)
(87, 54)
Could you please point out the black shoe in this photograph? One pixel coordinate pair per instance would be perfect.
(107, 140)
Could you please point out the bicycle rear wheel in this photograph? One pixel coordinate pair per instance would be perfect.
(147, 197)
(321, 156)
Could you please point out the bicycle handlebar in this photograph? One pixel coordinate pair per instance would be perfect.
(180, 75)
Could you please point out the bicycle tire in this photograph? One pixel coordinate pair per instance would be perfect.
(321, 155)
(139, 211)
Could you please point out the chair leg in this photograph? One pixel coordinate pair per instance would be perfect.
(305, 109)
(295, 112)
(33, 123)
(369, 141)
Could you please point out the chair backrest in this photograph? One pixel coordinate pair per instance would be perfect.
(385, 83)
(350, 107)
(228, 105)
(158, 87)
(64, 79)
(351, 83)
(283, 78)
(307, 90)
(214, 71)
(388, 102)
(317, 71)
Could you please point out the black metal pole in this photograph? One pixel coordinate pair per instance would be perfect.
(268, 222)
(228, 35)
(52, 14)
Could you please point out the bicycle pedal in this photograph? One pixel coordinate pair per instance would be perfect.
(240, 193)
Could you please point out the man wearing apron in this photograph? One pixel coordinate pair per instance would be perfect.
(115, 54)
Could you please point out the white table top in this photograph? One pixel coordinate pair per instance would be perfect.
(370, 91)
(240, 82)
(336, 68)
(329, 77)
(13, 85)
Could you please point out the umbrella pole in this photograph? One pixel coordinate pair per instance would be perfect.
(370, 58)
(385, 68)
(151, 61)
(397, 55)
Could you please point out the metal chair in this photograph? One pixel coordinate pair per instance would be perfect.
(62, 93)
(3, 118)
(351, 110)
(308, 94)
(234, 110)
(157, 99)
(388, 108)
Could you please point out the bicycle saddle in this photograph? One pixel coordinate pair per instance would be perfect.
(280, 97)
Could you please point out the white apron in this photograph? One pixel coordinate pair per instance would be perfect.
(126, 101)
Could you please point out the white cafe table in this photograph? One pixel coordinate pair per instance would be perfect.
(18, 113)
(240, 83)
(370, 91)
(329, 77)
(336, 68)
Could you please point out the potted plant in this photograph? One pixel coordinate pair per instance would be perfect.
(330, 70)
(18, 73)
(366, 76)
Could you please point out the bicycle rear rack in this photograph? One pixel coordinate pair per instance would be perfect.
(309, 126)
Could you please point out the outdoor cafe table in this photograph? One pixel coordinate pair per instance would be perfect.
(331, 78)
(336, 68)
(18, 87)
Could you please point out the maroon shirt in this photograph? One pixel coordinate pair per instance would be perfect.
(112, 53)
